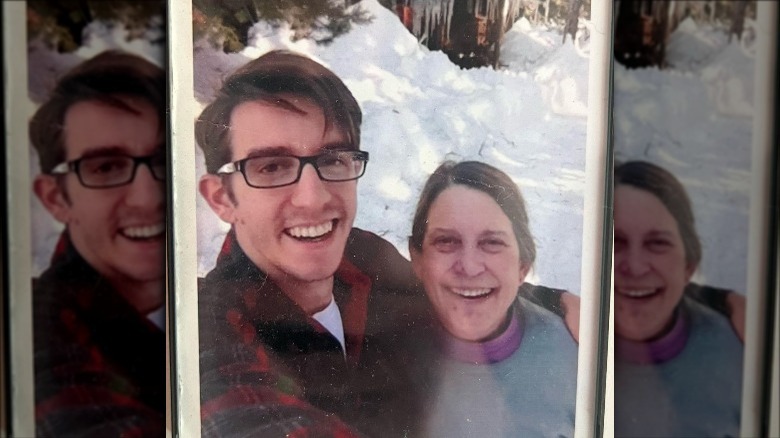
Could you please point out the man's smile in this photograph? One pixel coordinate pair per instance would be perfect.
(143, 232)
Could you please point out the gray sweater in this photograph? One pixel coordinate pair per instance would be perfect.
(529, 394)
(697, 393)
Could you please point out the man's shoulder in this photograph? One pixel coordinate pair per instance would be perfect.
(379, 259)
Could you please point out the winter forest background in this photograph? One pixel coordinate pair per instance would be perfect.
(502, 81)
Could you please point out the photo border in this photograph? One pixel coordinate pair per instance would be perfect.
(594, 364)
(182, 239)
(758, 318)
(595, 292)
(17, 155)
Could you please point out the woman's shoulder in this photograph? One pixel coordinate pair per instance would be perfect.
(543, 325)
(703, 318)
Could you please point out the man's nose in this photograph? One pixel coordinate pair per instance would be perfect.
(146, 191)
(310, 191)
(470, 262)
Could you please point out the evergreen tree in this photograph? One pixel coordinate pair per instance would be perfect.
(226, 23)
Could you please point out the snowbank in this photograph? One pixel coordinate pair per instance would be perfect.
(419, 109)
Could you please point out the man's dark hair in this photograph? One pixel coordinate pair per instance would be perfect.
(664, 186)
(107, 78)
(276, 78)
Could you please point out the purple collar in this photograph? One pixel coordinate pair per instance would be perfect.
(660, 350)
(492, 351)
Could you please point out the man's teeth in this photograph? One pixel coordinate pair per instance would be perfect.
(144, 232)
(637, 293)
(471, 293)
(311, 231)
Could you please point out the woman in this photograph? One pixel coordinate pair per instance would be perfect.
(678, 366)
(504, 367)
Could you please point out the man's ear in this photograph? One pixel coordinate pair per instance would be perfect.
(52, 196)
(216, 195)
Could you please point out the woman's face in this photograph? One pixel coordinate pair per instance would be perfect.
(650, 267)
(469, 263)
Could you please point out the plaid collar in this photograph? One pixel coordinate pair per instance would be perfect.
(269, 307)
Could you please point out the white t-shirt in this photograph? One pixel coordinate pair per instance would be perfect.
(330, 318)
(157, 317)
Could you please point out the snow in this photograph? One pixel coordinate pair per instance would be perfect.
(528, 119)
(695, 120)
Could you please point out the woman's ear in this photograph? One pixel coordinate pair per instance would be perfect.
(524, 269)
(52, 195)
(215, 192)
(690, 268)
(415, 255)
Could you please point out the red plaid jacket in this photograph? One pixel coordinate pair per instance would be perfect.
(99, 365)
(268, 369)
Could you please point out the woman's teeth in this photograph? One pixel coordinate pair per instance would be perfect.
(311, 232)
(144, 232)
(471, 293)
(637, 293)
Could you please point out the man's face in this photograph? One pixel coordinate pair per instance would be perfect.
(120, 230)
(270, 223)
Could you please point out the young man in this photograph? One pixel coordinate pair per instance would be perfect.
(99, 312)
(303, 316)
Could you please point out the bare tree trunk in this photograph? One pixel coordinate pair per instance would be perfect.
(502, 20)
(546, 10)
(737, 19)
(571, 20)
(713, 6)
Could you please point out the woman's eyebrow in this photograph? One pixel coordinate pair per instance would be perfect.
(494, 233)
(660, 233)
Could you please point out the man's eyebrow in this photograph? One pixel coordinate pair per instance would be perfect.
(269, 151)
(285, 150)
(338, 146)
(104, 150)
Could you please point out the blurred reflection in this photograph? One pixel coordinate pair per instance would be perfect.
(99, 310)
(678, 370)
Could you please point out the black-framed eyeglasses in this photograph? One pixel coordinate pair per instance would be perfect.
(284, 170)
(106, 171)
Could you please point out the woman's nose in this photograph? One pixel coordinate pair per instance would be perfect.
(470, 263)
(632, 262)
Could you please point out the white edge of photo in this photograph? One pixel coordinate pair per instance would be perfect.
(18, 111)
(595, 241)
(182, 240)
(759, 246)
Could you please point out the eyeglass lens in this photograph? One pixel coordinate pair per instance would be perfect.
(104, 171)
(283, 170)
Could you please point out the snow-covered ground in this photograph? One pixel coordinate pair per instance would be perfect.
(695, 119)
(528, 119)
